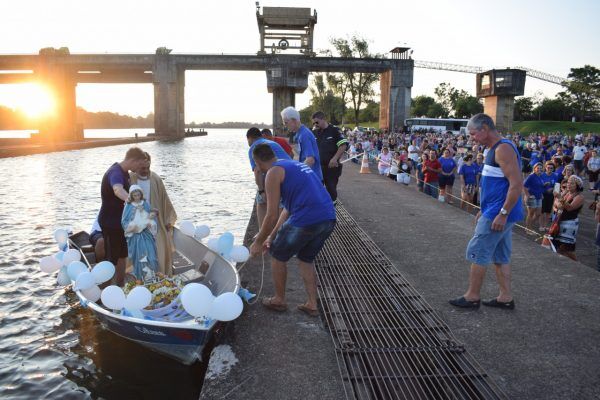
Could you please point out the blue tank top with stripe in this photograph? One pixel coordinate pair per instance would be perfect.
(494, 186)
(303, 195)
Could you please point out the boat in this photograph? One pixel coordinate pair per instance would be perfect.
(184, 339)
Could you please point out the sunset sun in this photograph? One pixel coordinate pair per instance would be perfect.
(35, 100)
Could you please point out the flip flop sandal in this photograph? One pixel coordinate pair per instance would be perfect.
(268, 303)
(308, 311)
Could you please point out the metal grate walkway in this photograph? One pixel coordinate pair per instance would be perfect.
(389, 342)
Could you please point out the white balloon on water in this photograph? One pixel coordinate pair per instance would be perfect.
(70, 256)
(213, 244)
(85, 280)
(239, 254)
(113, 297)
(75, 268)
(202, 231)
(227, 307)
(187, 227)
(196, 299)
(50, 264)
(61, 236)
(139, 297)
(92, 294)
(63, 277)
(103, 271)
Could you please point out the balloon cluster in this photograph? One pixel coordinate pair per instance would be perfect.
(222, 245)
(113, 297)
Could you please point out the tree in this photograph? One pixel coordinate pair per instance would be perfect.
(446, 96)
(457, 103)
(466, 106)
(370, 113)
(359, 85)
(420, 105)
(582, 90)
(553, 110)
(323, 99)
(523, 108)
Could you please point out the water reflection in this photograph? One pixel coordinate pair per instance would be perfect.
(51, 346)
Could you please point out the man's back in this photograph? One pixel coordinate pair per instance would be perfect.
(112, 207)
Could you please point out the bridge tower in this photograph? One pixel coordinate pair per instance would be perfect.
(498, 87)
(289, 30)
(395, 86)
(169, 89)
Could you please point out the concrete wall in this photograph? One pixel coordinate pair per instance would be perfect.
(501, 109)
(395, 86)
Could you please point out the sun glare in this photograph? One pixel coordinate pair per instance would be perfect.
(34, 100)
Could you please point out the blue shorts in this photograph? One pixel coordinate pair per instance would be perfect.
(488, 246)
(303, 242)
(262, 199)
(532, 202)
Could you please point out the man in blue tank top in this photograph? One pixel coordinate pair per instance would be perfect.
(306, 222)
(306, 143)
(501, 207)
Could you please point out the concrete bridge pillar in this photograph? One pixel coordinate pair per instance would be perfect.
(395, 102)
(60, 81)
(169, 90)
(284, 83)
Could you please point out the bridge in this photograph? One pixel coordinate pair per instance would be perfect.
(287, 74)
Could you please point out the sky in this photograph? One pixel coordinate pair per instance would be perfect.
(548, 35)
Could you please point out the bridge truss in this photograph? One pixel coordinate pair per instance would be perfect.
(475, 70)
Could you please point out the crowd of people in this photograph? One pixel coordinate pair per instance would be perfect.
(449, 168)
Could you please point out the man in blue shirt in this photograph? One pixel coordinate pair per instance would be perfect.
(306, 222)
(254, 137)
(306, 142)
(114, 192)
(501, 208)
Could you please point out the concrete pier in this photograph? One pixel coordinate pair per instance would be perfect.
(545, 348)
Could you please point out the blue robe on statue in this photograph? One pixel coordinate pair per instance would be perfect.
(141, 245)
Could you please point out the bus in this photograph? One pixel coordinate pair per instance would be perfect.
(442, 125)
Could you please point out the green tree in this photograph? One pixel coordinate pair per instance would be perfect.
(323, 99)
(582, 90)
(436, 110)
(420, 105)
(466, 105)
(553, 110)
(456, 103)
(370, 113)
(523, 108)
(446, 96)
(359, 85)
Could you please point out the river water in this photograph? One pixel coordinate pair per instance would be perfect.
(50, 347)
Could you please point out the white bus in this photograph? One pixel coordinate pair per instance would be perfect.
(442, 125)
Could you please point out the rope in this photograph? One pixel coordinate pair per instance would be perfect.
(262, 280)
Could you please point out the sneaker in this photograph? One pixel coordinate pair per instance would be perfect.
(461, 302)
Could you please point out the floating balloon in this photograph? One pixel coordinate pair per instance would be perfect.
(59, 255)
(139, 297)
(103, 271)
(226, 307)
(49, 264)
(63, 277)
(239, 254)
(70, 256)
(213, 244)
(202, 231)
(61, 236)
(92, 294)
(85, 280)
(113, 297)
(196, 299)
(187, 227)
(75, 268)
(225, 244)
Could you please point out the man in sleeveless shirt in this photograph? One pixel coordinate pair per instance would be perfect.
(501, 208)
(305, 223)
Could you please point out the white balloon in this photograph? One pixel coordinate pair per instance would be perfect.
(61, 236)
(239, 254)
(85, 280)
(213, 244)
(103, 271)
(59, 255)
(50, 264)
(196, 299)
(227, 307)
(92, 294)
(63, 277)
(113, 297)
(187, 227)
(202, 231)
(70, 256)
(75, 268)
(139, 297)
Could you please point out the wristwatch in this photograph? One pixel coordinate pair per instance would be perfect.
(503, 211)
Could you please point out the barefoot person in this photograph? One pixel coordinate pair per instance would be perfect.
(501, 208)
(302, 228)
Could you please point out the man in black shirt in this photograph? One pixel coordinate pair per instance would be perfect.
(332, 145)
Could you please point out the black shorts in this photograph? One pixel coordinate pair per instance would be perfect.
(547, 202)
(446, 180)
(115, 245)
(94, 237)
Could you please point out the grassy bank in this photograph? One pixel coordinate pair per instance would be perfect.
(570, 128)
